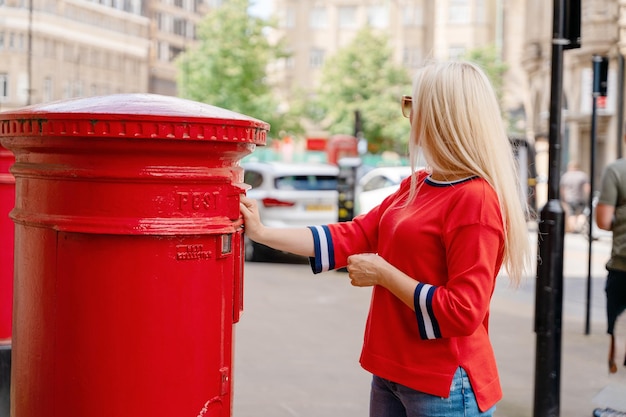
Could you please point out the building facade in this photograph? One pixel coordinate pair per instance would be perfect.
(172, 30)
(603, 33)
(59, 49)
(417, 30)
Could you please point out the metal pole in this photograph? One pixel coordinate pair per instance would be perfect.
(620, 104)
(592, 156)
(30, 53)
(549, 288)
(600, 74)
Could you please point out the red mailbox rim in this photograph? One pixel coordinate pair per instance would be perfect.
(133, 115)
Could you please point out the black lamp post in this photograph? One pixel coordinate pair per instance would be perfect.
(549, 288)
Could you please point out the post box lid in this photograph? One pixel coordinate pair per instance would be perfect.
(133, 116)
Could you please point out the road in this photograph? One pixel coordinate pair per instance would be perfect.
(298, 342)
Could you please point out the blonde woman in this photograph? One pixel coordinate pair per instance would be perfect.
(431, 252)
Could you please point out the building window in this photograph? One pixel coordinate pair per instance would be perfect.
(290, 63)
(456, 52)
(481, 13)
(165, 23)
(214, 4)
(289, 18)
(288, 60)
(347, 17)
(459, 12)
(67, 89)
(180, 26)
(22, 91)
(78, 88)
(412, 15)
(4, 86)
(318, 19)
(378, 16)
(190, 6)
(1, 39)
(411, 57)
(316, 58)
(47, 89)
(174, 52)
(163, 51)
(190, 30)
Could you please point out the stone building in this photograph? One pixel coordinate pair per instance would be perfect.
(603, 32)
(172, 30)
(417, 29)
(58, 49)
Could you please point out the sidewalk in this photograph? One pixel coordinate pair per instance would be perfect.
(299, 340)
(585, 381)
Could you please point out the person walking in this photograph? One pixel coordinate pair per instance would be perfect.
(575, 188)
(611, 215)
(432, 251)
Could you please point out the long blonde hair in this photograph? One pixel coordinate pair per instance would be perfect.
(456, 122)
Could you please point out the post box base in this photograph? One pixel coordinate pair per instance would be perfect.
(5, 379)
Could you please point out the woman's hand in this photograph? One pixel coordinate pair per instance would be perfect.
(369, 269)
(252, 220)
(366, 269)
(295, 240)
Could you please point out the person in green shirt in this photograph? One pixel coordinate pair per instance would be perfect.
(611, 215)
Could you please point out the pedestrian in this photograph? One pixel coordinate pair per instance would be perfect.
(575, 195)
(611, 215)
(431, 251)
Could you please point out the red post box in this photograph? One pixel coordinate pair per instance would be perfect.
(7, 201)
(128, 255)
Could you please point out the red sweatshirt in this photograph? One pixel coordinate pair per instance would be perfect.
(450, 239)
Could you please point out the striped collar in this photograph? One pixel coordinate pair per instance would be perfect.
(430, 181)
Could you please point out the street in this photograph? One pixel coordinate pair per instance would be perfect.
(298, 342)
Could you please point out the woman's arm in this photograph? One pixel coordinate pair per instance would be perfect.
(298, 241)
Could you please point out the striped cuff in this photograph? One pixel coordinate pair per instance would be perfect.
(324, 259)
(423, 302)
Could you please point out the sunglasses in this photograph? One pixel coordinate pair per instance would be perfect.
(407, 106)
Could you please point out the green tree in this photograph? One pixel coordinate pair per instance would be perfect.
(227, 67)
(489, 60)
(362, 76)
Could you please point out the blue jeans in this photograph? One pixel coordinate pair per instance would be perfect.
(389, 399)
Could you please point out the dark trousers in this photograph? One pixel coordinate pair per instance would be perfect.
(615, 297)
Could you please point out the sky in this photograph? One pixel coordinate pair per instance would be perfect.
(261, 8)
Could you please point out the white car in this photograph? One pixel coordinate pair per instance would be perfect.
(374, 186)
(290, 195)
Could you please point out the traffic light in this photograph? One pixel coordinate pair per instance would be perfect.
(600, 75)
(571, 12)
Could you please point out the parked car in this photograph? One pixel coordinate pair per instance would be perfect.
(290, 195)
(378, 183)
